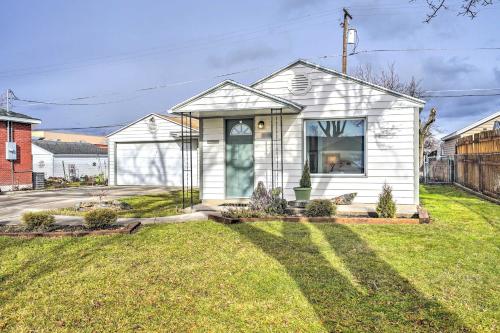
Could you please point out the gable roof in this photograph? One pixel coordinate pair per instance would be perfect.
(276, 99)
(17, 117)
(70, 148)
(347, 77)
(467, 128)
(173, 119)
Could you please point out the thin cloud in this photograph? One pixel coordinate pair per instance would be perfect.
(448, 70)
(243, 55)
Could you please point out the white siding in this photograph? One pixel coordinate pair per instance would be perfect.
(43, 161)
(139, 133)
(213, 158)
(229, 97)
(391, 150)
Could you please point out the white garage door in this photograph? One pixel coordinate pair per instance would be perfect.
(151, 163)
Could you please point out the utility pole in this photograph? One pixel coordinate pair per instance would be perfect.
(345, 25)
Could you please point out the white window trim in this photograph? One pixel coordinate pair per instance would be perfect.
(337, 175)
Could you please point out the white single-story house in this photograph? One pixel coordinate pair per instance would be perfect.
(487, 123)
(355, 135)
(148, 152)
(68, 159)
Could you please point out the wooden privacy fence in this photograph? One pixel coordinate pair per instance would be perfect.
(477, 163)
(479, 172)
(479, 143)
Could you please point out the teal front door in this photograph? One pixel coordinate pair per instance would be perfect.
(239, 158)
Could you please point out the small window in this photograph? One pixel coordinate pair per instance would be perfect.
(41, 164)
(336, 146)
(240, 129)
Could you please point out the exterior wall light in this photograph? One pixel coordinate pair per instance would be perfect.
(260, 125)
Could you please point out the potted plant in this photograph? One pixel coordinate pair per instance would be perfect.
(303, 192)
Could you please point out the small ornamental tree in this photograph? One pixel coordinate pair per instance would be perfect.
(305, 180)
(386, 206)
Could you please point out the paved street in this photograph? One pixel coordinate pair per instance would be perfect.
(13, 205)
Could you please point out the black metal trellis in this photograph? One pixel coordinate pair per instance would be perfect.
(274, 140)
(189, 186)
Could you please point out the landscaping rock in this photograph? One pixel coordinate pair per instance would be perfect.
(345, 199)
(89, 205)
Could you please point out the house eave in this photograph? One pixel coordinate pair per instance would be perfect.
(275, 102)
(21, 120)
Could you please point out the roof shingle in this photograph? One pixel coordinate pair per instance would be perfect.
(70, 148)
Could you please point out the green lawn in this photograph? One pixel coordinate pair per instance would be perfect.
(280, 277)
(151, 205)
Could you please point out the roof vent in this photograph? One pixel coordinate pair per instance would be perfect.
(299, 84)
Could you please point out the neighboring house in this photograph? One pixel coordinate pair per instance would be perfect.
(69, 159)
(99, 141)
(15, 150)
(148, 152)
(485, 124)
(355, 135)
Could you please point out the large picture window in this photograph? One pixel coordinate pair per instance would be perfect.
(336, 146)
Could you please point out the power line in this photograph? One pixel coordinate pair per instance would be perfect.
(428, 50)
(73, 104)
(189, 45)
(457, 96)
(205, 41)
(460, 90)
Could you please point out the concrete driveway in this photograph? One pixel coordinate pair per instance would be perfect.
(13, 205)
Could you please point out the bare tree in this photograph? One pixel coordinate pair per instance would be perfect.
(431, 143)
(388, 78)
(468, 8)
(334, 128)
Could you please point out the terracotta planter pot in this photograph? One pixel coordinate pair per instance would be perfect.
(302, 193)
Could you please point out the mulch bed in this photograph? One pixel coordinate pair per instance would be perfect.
(73, 231)
(422, 218)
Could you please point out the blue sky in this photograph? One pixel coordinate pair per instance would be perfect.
(61, 50)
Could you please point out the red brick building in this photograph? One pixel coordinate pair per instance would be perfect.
(15, 162)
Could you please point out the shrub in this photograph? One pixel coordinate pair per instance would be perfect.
(277, 205)
(100, 218)
(260, 199)
(386, 206)
(236, 213)
(305, 180)
(38, 220)
(320, 207)
(267, 201)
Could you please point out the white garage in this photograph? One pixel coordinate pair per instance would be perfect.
(148, 152)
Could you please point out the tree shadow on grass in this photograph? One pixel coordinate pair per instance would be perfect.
(372, 297)
(66, 254)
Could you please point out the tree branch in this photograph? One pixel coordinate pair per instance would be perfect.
(435, 9)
